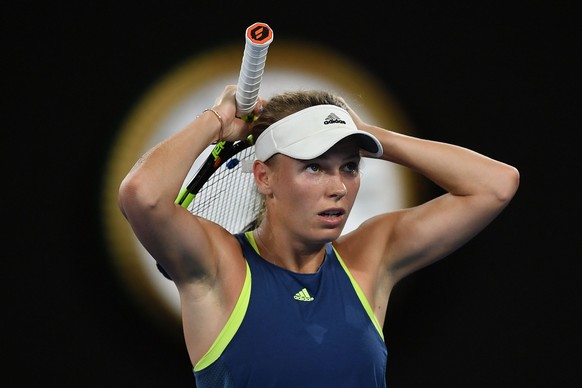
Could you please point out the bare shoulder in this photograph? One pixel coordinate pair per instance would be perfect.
(365, 252)
(366, 248)
(223, 281)
(207, 303)
(370, 238)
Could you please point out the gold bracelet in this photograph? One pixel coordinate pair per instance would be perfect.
(219, 117)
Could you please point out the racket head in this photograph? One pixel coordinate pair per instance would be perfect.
(223, 190)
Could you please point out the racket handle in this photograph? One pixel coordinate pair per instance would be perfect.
(258, 38)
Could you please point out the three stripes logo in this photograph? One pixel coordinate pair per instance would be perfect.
(332, 118)
(303, 296)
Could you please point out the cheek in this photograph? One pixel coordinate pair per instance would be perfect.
(352, 188)
(353, 185)
(303, 188)
(296, 189)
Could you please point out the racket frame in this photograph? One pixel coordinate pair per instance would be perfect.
(221, 153)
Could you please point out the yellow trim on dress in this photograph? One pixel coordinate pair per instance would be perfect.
(361, 295)
(355, 284)
(251, 237)
(239, 311)
(231, 327)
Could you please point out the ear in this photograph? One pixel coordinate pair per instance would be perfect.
(262, 174)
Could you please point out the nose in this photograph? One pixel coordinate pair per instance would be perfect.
(337, 187)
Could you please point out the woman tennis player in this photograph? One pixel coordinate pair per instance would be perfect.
(294, 303)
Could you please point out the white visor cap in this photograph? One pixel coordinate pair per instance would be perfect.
(310, 132)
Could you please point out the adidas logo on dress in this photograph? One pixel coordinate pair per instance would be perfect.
(303, 296)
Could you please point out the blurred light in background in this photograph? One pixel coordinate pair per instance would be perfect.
(187, 90)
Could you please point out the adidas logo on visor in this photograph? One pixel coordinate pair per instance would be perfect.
(333, 119)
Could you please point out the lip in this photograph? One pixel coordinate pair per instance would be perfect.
(332, 217)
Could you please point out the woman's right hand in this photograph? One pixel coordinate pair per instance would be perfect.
(233, 127)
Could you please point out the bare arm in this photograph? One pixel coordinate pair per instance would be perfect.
(477, 189)
(183, 244)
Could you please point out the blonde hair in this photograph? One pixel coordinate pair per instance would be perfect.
(286, 103)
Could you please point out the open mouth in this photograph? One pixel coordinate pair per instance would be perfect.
(332, 213)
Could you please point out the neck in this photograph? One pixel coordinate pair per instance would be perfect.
(286, 253)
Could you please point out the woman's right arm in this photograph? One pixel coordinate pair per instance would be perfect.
(182, 243)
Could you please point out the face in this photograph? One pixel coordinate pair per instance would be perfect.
(313, 198)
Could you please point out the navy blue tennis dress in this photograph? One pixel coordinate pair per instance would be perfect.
(296, 330)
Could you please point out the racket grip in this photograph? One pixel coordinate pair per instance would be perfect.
(258, 38)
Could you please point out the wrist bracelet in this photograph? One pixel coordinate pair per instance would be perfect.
(219, 117)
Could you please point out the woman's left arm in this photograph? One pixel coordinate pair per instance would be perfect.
(477, 188)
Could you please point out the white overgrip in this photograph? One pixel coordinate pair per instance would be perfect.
(258, 38)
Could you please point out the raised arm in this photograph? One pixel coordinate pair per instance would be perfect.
(477, 189)
(179, 241)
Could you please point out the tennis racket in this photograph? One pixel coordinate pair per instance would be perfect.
(223, 189)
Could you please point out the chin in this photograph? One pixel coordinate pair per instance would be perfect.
(331, 234)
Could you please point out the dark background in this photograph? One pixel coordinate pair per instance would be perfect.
(501, 312)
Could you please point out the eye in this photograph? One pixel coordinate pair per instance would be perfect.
(352, 167)
(313, 167)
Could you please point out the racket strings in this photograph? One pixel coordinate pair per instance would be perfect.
(230, 197)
